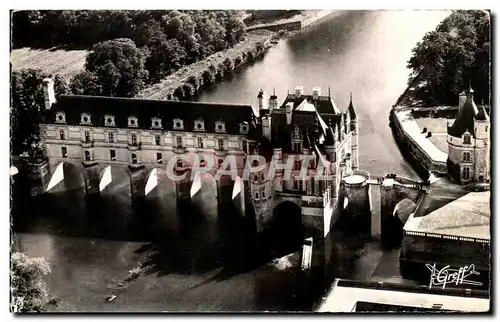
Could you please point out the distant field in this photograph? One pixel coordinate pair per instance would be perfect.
(63, 62)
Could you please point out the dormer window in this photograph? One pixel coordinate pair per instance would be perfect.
(60, 117)
(220, 127)
(109, 120)
(199, 125)
(296, 133)
(132, 121)
(178, 124)
(156, 123)
(467, 139)
(85, 119)
(244, 128)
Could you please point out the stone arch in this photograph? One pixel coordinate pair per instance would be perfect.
(286, 228)
(113, 177)
(202, 179)
(67, 172)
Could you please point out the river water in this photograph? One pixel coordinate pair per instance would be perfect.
(200, 257)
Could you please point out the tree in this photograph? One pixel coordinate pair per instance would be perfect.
(119, 66)
(26, 101)
(235, 28)
(453, 56)
(166, 57)
(85, 83)
(28, 290)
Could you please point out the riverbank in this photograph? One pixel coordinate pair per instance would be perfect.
(415, 145)
(297, 22)
(188, 80)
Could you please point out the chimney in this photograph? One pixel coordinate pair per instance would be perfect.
(266, 127)
(48, 92)
(260, 98)
(299, 91)
(289, 107)
(273, 101)
(316, 92)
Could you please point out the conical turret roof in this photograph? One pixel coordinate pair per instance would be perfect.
(350, 108)
(482, 115)
(465, 118)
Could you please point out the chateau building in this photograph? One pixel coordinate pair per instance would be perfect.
(135, 131)
(469, 142)
(95, 132)
(304, 126)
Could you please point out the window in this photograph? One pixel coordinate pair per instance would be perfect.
(486, 128)
(199, 125)
(159, 158)
(109, 120)
(157, 140)
(178, 124)
(467, 139)
(132, 121)
(112, 155)
(85, 119)
(64, 152)
(60, 117)
(256, 195)
(466, 156)
(296, 147)
(134, 158)
(295, 184)
(134, 139)
(87, 136)
(297, 165)
(156, 123)
(179, 142)
(466, 173)
(263, 194)
(200, 143)
(221, 144)
(244, 145)
(312, 185)
(87, 156)
(111, 137)
(220, 127)
(61, 135)
(219, 163)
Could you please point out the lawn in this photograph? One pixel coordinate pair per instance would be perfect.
(56, 61)
(438, 128)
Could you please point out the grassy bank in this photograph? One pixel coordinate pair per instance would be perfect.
(188, 80)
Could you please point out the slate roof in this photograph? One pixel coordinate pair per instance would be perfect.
(350, 109)
(465, 118)
(482, 115)
(324, 104)
(121, 108)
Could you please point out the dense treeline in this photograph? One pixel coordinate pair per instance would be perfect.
(453, 56)
(152, 43)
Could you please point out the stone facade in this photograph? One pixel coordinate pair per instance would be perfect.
(469, 142)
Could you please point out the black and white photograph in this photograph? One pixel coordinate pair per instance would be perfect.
(250, 161)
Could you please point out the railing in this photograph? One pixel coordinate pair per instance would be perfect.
(443, 236)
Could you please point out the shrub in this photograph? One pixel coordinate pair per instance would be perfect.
(189, 89)
(179, 92)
